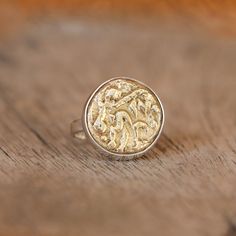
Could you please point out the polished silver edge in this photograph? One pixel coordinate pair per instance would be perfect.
(112, 155)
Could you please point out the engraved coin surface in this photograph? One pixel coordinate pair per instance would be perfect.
(124, 116)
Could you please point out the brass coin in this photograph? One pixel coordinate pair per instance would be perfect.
(124, 117)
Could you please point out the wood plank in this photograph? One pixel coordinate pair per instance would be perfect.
(50, 185)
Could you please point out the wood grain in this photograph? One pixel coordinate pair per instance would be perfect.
(50, 185)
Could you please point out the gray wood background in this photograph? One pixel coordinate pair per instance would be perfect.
(50, 185)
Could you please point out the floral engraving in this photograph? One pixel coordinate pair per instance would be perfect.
(124, 116)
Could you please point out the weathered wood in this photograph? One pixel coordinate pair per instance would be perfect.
(52, 186)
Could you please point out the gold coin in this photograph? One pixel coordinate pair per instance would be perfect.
(124, 116)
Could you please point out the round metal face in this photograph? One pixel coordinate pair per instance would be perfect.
(123, 117)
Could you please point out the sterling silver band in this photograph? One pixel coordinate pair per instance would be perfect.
(77, 130)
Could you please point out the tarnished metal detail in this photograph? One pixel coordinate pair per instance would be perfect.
(124, 116)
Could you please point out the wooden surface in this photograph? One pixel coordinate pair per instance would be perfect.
(50, 185)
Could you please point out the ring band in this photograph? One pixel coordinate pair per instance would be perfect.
(77, 130)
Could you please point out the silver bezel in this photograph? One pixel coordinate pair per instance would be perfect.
(109, 154)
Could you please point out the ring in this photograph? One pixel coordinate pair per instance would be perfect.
(123, 118)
